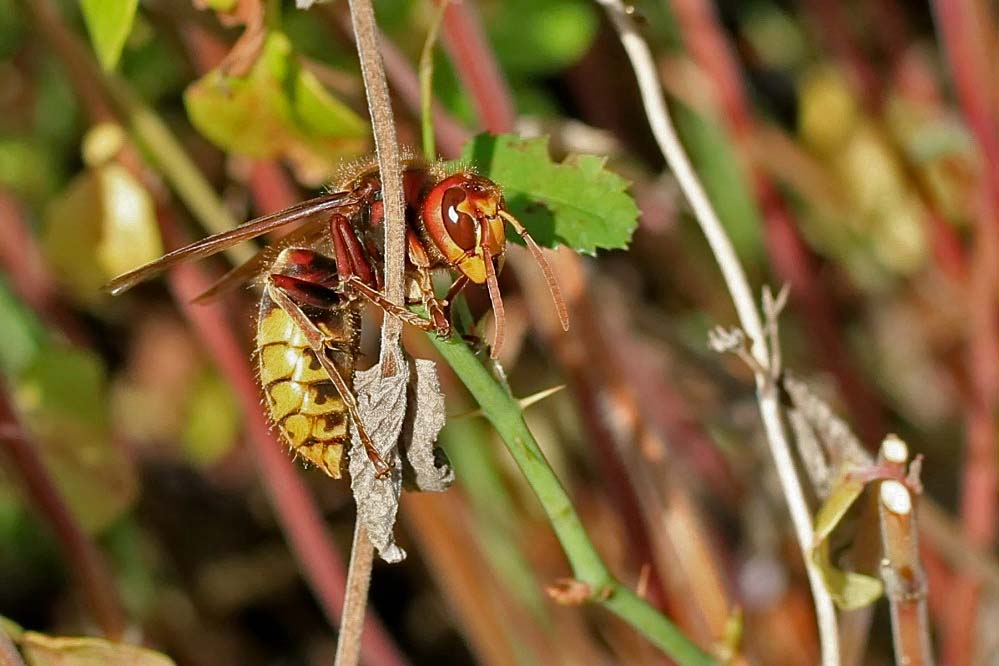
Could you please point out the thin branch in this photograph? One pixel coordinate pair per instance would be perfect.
(792, 260)
(738, 286)
(389, 165)
(81, 556)
(362, 553)
(366, 36)
(450, 133)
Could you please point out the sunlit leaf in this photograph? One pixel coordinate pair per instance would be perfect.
(578, 203)
(108, 22)
(11, 628)
(842, 496)
(212, 421)
(42, 650)
(61, 395)
(220, 5)
(848, 589)
(278, 110)
(102, 226)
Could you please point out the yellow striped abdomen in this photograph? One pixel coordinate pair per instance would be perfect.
(303, 403)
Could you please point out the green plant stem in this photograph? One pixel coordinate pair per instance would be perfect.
(503, 411)
(427, 81)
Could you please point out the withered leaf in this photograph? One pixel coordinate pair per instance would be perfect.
(407, 410)
(428, 469)
(382, 403)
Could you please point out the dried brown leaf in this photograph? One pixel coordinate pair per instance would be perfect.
(428, 469)
(382, 403)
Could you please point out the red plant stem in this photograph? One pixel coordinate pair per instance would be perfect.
(477, 67)
(22, 260)
(271, 188)
(961, 26)
(300, 519)
(81, 555)
(792, 259)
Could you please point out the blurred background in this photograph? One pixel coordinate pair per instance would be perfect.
(849, 147)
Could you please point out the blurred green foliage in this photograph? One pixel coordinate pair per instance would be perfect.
(108, 22)
(279, 109)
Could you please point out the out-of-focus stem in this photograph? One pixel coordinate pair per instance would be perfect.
(478, 69)
(963, 29)
(21, 258)
(81, 556)
(426, 83)
(745, 304)
(901, 569)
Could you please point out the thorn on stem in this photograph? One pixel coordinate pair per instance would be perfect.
(572, 592)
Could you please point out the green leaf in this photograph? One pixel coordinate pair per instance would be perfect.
(61, 395)
(848, 589)
(212, 421)
(578, 203)
(102, 226)
(108, 22)
(42, 650)
(279, 109)
(842, 496)
(11, 628)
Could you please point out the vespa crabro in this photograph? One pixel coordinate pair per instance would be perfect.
(316, 279)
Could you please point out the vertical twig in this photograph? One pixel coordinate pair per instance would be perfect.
(362, 553)
(366, 34)
(905, 582)
(81, 555)
(738, 286)
(389, 165)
